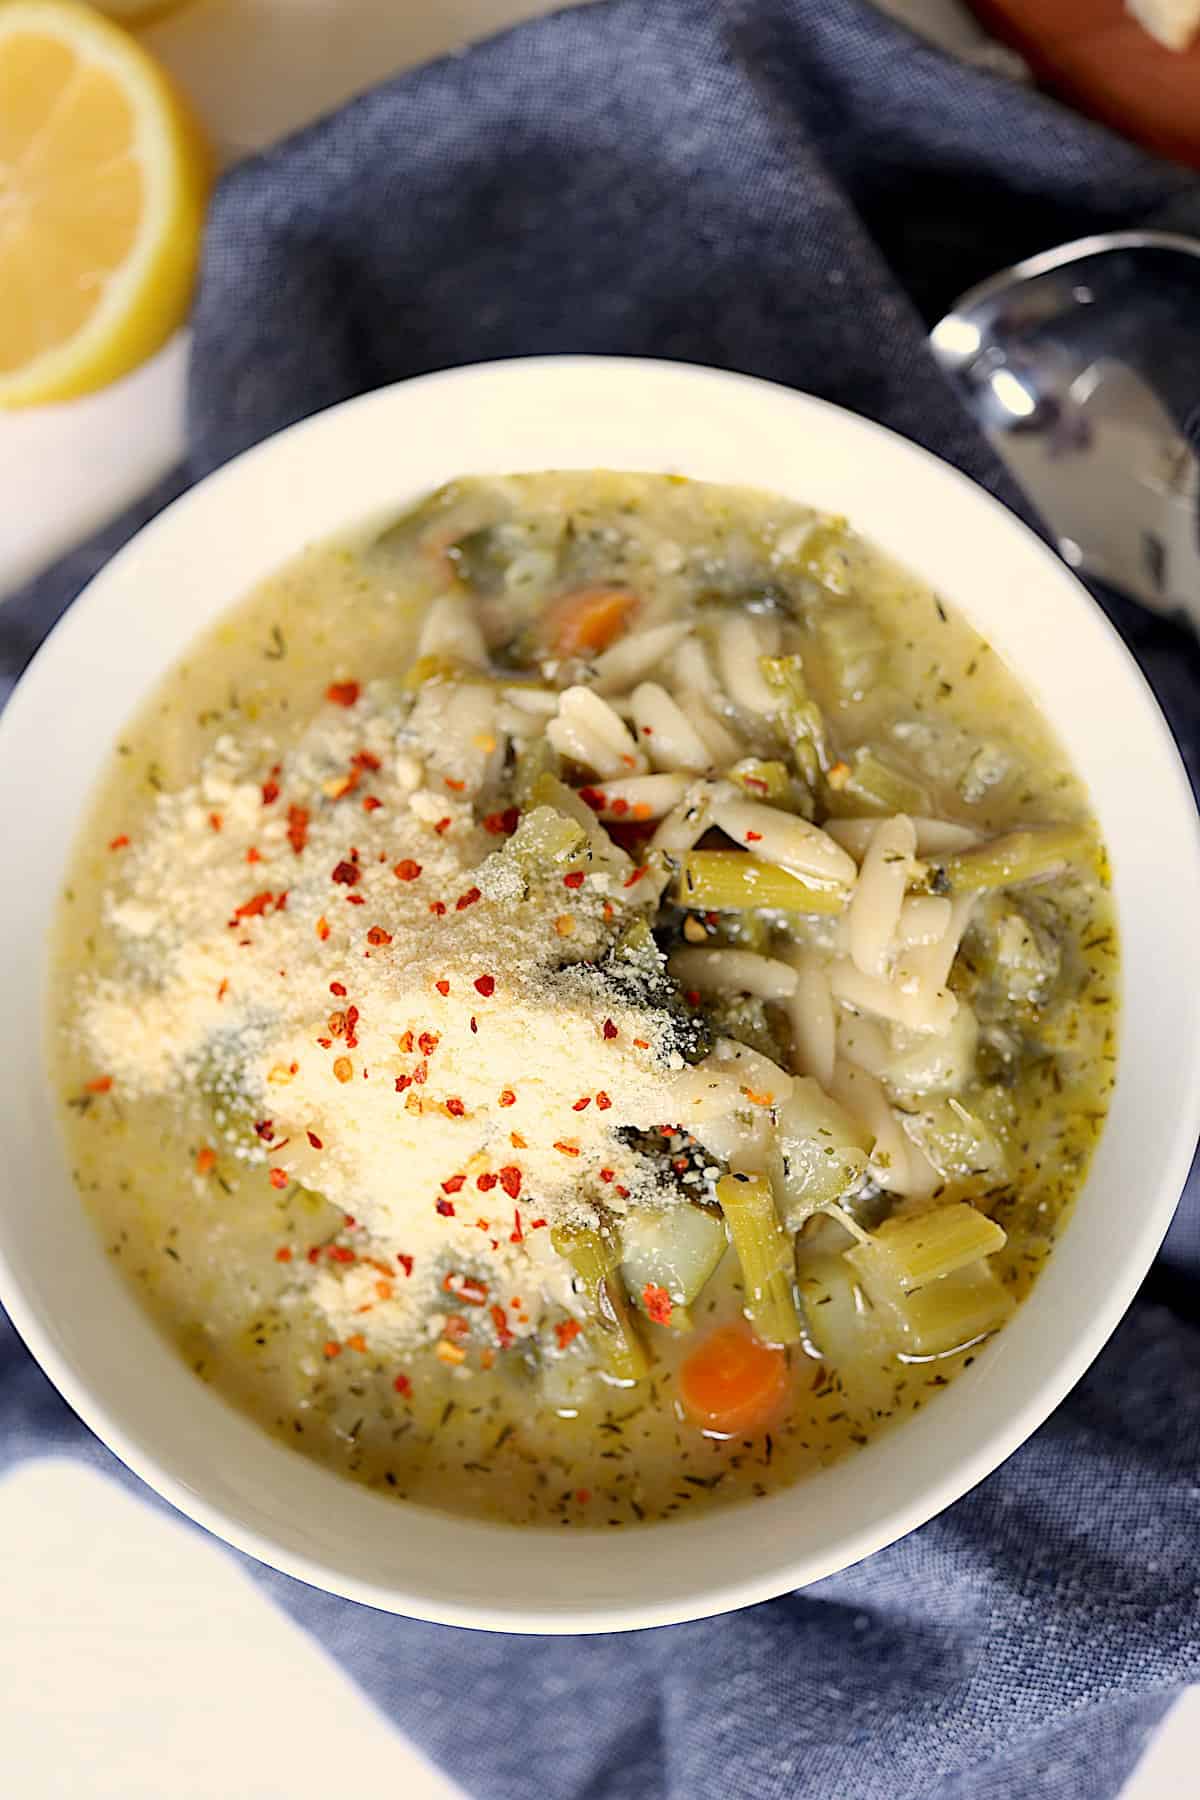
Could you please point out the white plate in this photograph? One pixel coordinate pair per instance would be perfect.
(385, 449)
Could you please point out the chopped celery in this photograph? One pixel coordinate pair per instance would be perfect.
(612, 1331)
(969, 1159)
(728, 880)
(761, 780)
(824, 555)
(873, 788)
(799, 714)
(675, 1248)
(766, 1254)
(548, 790)
(820, 1153)
(915, 1251)
(544, 838)
(1018, 856)
(944, 1316)
(535, 758)
(852, 645)
(850, 1335)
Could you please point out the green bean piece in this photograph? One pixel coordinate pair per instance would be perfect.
(732, 881)
(612, 1331)
(1016, 857)
(874, 789)
(766, 1254)
(799, 714)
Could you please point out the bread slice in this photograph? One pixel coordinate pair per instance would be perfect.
(1173, 22)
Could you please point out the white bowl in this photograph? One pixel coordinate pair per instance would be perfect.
(383, 450)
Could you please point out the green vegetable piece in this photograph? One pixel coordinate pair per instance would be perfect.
(820, 1153)
(945, 1315)
(544, 839)
(961, 1148)
(675, 1248)
(537, 758)
(875, 789)
(548, 790)
(915, 1251)
(732, 881)
(766, 1254)
(1018, 856)
(799, 715)
(761, 780)
(852, 645)
(612, 1331)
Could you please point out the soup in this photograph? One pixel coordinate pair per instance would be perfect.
(586, 1001)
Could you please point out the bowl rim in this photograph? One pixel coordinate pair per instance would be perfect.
(1040, 1397)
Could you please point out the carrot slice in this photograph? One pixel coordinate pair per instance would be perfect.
(733, 1383)
(588, 620)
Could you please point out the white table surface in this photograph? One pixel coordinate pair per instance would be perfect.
(137, 1659)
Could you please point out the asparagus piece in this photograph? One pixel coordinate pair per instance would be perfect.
(766, 1254)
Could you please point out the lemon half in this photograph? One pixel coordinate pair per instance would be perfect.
(103, 179)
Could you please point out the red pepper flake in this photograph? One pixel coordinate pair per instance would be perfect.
(446, 1208)
(602, 1101)
(566, 1331)
(692, 996)
(345, 873)
(453, 1184)
(467, 899)
(206, 1160)
(640, 1044)
(270, 792)
(443, 987)
(442, 827)
(264, 1129)
(357, 1342)
(606, 1174)
(623, 1191)
(437, 908)
(474, 1026)
(456, 787)
(377, 935)
(342, 693)
(323, 928)
(610, 1030)
(355, 900)
(427, 1042)
(405, 1041)
(406, 1262)
(281, 901)
(566, 1149)
(516, 1235)
(485, 985)
(507, 1097)
(485, 1182)
(253, 855)
(456, 1329)
(574, 879)
(592, 797)
(517, 1141)
(503, 1329)
(510, 1180)
(283, 1254)
(754, 837)
(316, 1142)
(252, 908)
(583, 1495)
(619, 808)
(632, 880)
(408, 870)
(120, 843)
(372, 803)
(582, 1104)
(402, 1082)
(502, 824)
(421, 1074)
(657, 1303)
(332, 1349)
(539, 1225)
(752, 781)
(455, 1107)
(402, 1385)
(465, 1288)
(99, 1084)
(278, 1178)
(337, 988)
(365, 759)
(223, 989)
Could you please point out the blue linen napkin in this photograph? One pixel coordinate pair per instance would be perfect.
(794, 191)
